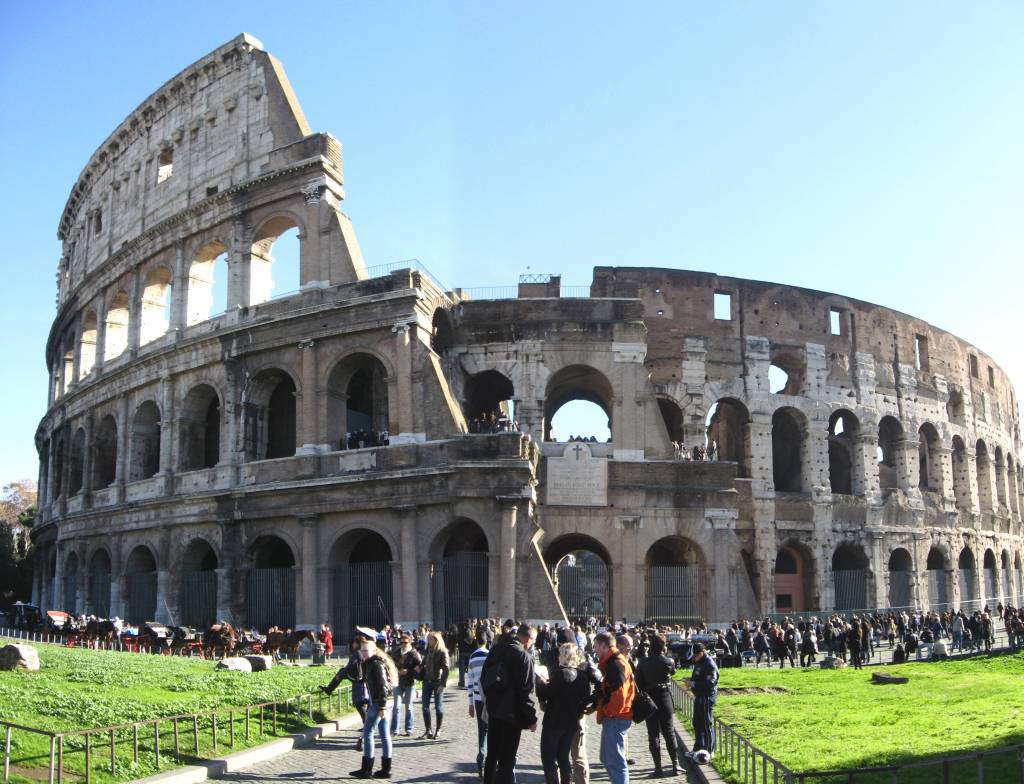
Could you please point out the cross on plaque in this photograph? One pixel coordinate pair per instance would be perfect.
(577, 449)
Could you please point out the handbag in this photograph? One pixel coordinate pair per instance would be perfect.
(643, 707)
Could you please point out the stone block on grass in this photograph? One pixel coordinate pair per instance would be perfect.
(19, 657)
(260, 663)
(235, 663)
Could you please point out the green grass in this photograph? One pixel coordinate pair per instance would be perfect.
(80, 689)
(838, 719)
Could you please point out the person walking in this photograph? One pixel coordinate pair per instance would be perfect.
(653, 675)
(704, 684)
(476, 696)
(565, 692)
(507, 680)
(326, 637)
(407, 660)
(434, 669)
(614, 706)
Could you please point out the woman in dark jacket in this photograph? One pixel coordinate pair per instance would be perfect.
(652, 676)
(566, 693)
(353, 671)
(434, 671)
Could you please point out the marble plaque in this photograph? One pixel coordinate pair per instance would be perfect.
(577, 478)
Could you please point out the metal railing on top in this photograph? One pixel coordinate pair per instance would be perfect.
(380, 270)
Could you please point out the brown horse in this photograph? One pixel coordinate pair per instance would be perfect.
(100, 632)
(286, 640)
(220, 635)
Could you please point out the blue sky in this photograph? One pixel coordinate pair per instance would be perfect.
(872, 149)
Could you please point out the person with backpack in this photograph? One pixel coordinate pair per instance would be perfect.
(564, 694)
(507, 680)
(614, 706)
(434, 670)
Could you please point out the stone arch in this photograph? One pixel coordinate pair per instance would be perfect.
(1006, 577)
(98, 586)
(890, 437)
(155, 310)
(938, 567)
(269, 413)
(576, 383)
(360, 562)
(104, 461)
(787, 371)
(1000, 477)
(140, 585)
(929, 460)
(358, 400)
(262, 283)
(76, 469)
(677, 581)
(991, 573)
(270, 583)
(459, 577)
(901, 578)
(843, 427)
(209, 263)
(727, 427)
(489, 392)
(672, 417)
(966, 576)
(794, 578)
(581, 567)
(986, 478)
(789, 451)
(850, 567)
(961, 475)
(199, 429)
(87, 343)
(144, 456)
(442, 332)
(198, 576)
(115, 326)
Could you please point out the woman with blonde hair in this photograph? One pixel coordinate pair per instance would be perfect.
(565, 692)
(381, 678)
(434, 671)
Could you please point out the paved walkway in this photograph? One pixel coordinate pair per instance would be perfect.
(450, 758)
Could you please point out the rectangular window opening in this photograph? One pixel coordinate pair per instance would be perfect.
(212, 190)
(835, 321)
(921, 352)
(165, 165)
(974, 365)
(991, 376)
(97, 222)
(723, 306)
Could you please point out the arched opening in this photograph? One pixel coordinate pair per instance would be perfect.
(58, 463)
(794, 579)
(442, 335)
(198, 602)
(71, 584)
(726, 423)
(155, 314)
(1011, 480)
(961, 475)
(1007, 577)
(890, 434)
(938, 587)
(586, 395)
(789, 431)
(1000, 477)
(207, 283)
(200, 429)
(460, 572)
(270, 584)
(677, 582)
(850, 578)
(140, 582)
(98, 599)
(76, 470)
(901, 578)
(145, 443)
(787, 371)
(274, 262)
(580, 567)
(49, 584)
(992, 592)
(842, 430)
(357, 402)
(115, 327)
(983, 470)
(104, 463)
(489, 407)
(87, 344)
(968, 582)
(929, 463)
(68, 374)
(269, 416)
(361, 567)
(955, 407)
(672, 416)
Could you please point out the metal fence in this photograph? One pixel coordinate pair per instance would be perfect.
(99, 594)
(199, 598)
(363, 596)
(900, 588)
(141, 597)
(968, 589)
(459, 585)
(71, 593)
(583, 588)
(270, 595)
(851, 588)
(676, 593)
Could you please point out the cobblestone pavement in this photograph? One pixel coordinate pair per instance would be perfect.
(452, 757)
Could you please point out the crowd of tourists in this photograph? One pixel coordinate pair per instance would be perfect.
(518, 676)
(696, 453)
(361, 439)
(492, 422)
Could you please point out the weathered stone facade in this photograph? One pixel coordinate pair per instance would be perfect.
(190, 465)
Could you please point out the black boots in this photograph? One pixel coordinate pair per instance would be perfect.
(440, 720)
(426, 721)
(385, 769)
(364, 772)
(656, 756)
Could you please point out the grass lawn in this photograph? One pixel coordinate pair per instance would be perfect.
(78, 689)
(834, 719)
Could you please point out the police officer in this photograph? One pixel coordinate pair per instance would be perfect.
(704, 684)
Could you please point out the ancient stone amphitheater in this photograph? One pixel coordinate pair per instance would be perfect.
(217, 447)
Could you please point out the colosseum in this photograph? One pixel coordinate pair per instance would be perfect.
(216, 446)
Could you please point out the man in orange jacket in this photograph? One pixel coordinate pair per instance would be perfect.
(614, 706)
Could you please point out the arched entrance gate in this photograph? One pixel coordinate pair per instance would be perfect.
(270, 585)
(677, 585)
(362, 589)
(459, 575)
(579, 568)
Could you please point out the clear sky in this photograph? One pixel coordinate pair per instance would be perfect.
(872, 149)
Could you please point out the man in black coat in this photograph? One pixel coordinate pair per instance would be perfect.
(507, 680)
(704, 683)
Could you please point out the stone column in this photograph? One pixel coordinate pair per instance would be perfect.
(879, 566)
(167, 432)
(759, 447)
(179, 292)
(309, 436)
(408, 609)
(238, 268)
(307, 610)
(428, 612)
(134, 315)
(123, 447)
(943, 456)
(971, 472)
(725, 562)
(507, 539)
(631, 594)
(163, 597)
(494, 561)
(232, 449)
(400, 411)
(907, 471)
(58, 579)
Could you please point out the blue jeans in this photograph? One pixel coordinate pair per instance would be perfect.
(403, 697)
(433, 689)
(377, 718)
(613, 749)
